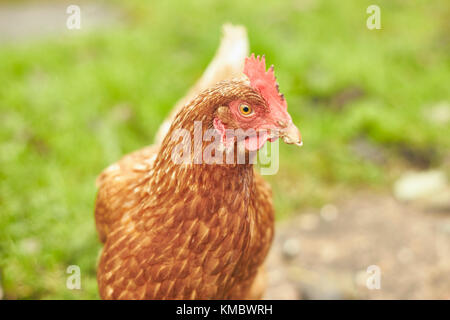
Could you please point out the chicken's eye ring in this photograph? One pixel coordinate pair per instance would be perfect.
(245, 110)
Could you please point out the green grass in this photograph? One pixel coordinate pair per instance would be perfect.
(71, 105)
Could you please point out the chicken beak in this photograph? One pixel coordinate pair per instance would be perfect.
(291, 135)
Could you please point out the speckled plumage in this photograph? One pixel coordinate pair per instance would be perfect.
(190, 231)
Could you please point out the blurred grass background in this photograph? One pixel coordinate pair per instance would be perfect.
(74, 103)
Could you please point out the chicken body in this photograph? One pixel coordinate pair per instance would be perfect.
(189, 231)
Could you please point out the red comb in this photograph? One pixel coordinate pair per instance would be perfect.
(263, 81)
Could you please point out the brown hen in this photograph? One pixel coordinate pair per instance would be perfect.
(197, 229)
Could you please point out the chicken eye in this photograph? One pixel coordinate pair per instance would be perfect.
(245, 109)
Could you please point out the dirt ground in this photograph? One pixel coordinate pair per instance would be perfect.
(325, 254)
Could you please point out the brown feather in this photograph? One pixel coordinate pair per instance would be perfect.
(192, 231)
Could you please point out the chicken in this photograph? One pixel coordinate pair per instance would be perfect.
(195, 229)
